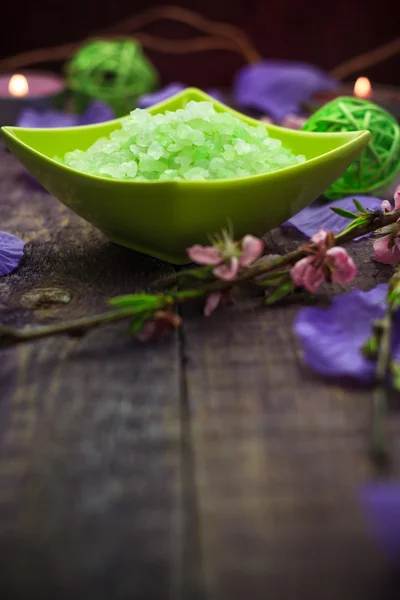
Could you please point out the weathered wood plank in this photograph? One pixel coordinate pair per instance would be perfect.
(129, 471)
(91, 437)
(278, 456)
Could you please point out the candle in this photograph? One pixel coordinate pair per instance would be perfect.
(363, 88)
(31, 89)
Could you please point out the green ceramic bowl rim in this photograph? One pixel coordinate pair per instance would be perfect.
(184, 182)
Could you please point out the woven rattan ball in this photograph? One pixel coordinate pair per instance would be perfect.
(115, 71)
(379, 162)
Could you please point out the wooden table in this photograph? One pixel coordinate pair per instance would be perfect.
(210, 466)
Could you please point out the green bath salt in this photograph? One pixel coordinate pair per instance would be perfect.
(193, 143)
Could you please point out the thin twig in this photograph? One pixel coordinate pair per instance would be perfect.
(220, 36)
(367, 59)
(158, 44)
(184, 15)
(9, 335)
(379, 444)
(376, 220)
(76, 327)
(382, 340)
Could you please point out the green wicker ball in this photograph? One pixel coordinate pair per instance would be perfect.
(379, 162)
(114, 71)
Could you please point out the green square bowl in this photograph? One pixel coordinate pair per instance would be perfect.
(163, 218)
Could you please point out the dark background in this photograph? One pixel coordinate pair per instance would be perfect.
(324, 33)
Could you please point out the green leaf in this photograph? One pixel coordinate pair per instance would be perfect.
(137, 323)
(265, 283)
(138, 302)
(343, 213)
(200, 273)
(395, 368)
(282, 291)
(187, 294)
(358, 222)
(370, 347)
(359, 206)
(276, 275)
(393, 297)
(182, 277)
(272, 279)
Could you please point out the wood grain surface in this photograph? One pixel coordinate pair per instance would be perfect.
(210, 466)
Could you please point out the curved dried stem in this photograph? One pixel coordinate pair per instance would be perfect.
(366, 60)
(183, 15)
(220, 36)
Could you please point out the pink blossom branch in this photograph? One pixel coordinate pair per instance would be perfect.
(379, 446)
(381, 348)
(362, 225)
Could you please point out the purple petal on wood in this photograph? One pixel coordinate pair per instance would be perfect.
(217, 95)
(160, 95)
(96, 112)
(11, 252)
(331, 339)
(319, 215)
(278, 88)
(170, 90)
(380, 502)
(46, 119)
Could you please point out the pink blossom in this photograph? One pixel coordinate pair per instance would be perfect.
(227, 271)
(204, 255)
(292, 121)
(386, 205)
(252, 248)
(305, 274)
(326, 262)
(387, 248)
(161, 323)
(397, 198)
(344, 270)
(212, 302)
(227, 256)
(319, 238)
(214, 299)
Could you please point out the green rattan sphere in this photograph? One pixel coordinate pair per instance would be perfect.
(114, 71)
(379, 162)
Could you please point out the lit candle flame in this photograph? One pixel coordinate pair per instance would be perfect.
(18, 86)
(363, 88)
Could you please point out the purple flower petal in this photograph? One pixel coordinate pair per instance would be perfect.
(331, 339)
(160, 95)
(217, 95)
(11, 252)
(381, 504)
(170, 90)
(96, 112)
(46, 119)
(319, 215)
(277, 88)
